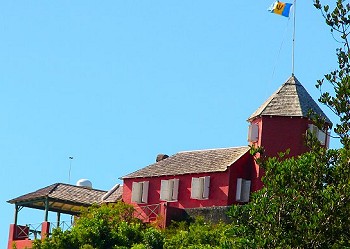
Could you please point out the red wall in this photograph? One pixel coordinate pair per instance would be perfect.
(18, 235)
(222, 188)
(282, 133)
(218, 190)
(243, 168)
(257, 171)
(277, 134)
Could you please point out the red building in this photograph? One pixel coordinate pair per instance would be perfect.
(192, 179)
(192, 182)
(222, 177)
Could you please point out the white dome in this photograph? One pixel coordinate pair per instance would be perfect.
(85, 183)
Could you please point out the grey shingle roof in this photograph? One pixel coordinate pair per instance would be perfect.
(65, 198)
(66, 192)
(291, 99)
(190, 162)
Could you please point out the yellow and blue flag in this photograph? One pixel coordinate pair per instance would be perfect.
(280, 8)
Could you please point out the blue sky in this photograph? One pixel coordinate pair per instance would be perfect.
(114, 83)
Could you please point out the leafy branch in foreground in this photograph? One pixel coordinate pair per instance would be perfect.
(338, 101)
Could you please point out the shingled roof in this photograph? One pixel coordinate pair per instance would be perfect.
(191, 162)
(291, 100)
(64, 198)
(113, 195)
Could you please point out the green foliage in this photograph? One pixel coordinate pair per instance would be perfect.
(139, 246)
(153, 238)
(338, 100)
(105, 227)
(58, 240)
(87, 247)
(199, 234)
(304, 204)
(99, 227)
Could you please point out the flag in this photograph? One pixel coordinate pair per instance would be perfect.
(280, 8)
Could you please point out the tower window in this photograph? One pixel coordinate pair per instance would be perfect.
(253, 133)
(319, 134)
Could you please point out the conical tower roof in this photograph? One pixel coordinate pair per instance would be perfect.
(291, 100)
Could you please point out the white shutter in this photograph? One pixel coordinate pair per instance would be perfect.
(321, 137)
(328, 139)
(136, 192)
(313, 129)
(175, 189)
(169, 189)
(239, 189)
(145, 192)
(196, 192)
(206, 183)
(253, 133)
(164, 190)
(245, 190)
(319, 134)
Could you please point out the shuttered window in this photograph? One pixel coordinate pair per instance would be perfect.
(243, 190)
(319, 134)
(253, 133)
(139, 192)
(169, 190)
(200, 187)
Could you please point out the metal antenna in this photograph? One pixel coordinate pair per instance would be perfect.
(293, 45)
(70, 168)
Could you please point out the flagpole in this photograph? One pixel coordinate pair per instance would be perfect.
(293, 45)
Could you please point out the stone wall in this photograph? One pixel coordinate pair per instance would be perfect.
(212, 214)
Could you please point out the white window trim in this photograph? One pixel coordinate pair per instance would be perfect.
(200, 188)
(169, 190)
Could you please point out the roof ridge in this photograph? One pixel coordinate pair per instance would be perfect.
(264, 105)
(192, 162)
(73, 185)
(235, 147)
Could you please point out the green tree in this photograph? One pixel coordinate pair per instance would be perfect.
(199, 234)
(338, 99)
(304, 204)
(105, 227)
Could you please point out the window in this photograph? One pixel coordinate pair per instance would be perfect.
(200, 187)
(169, 189)
(139, 192)
(319, 134)
(253, 133)
(243, 190)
